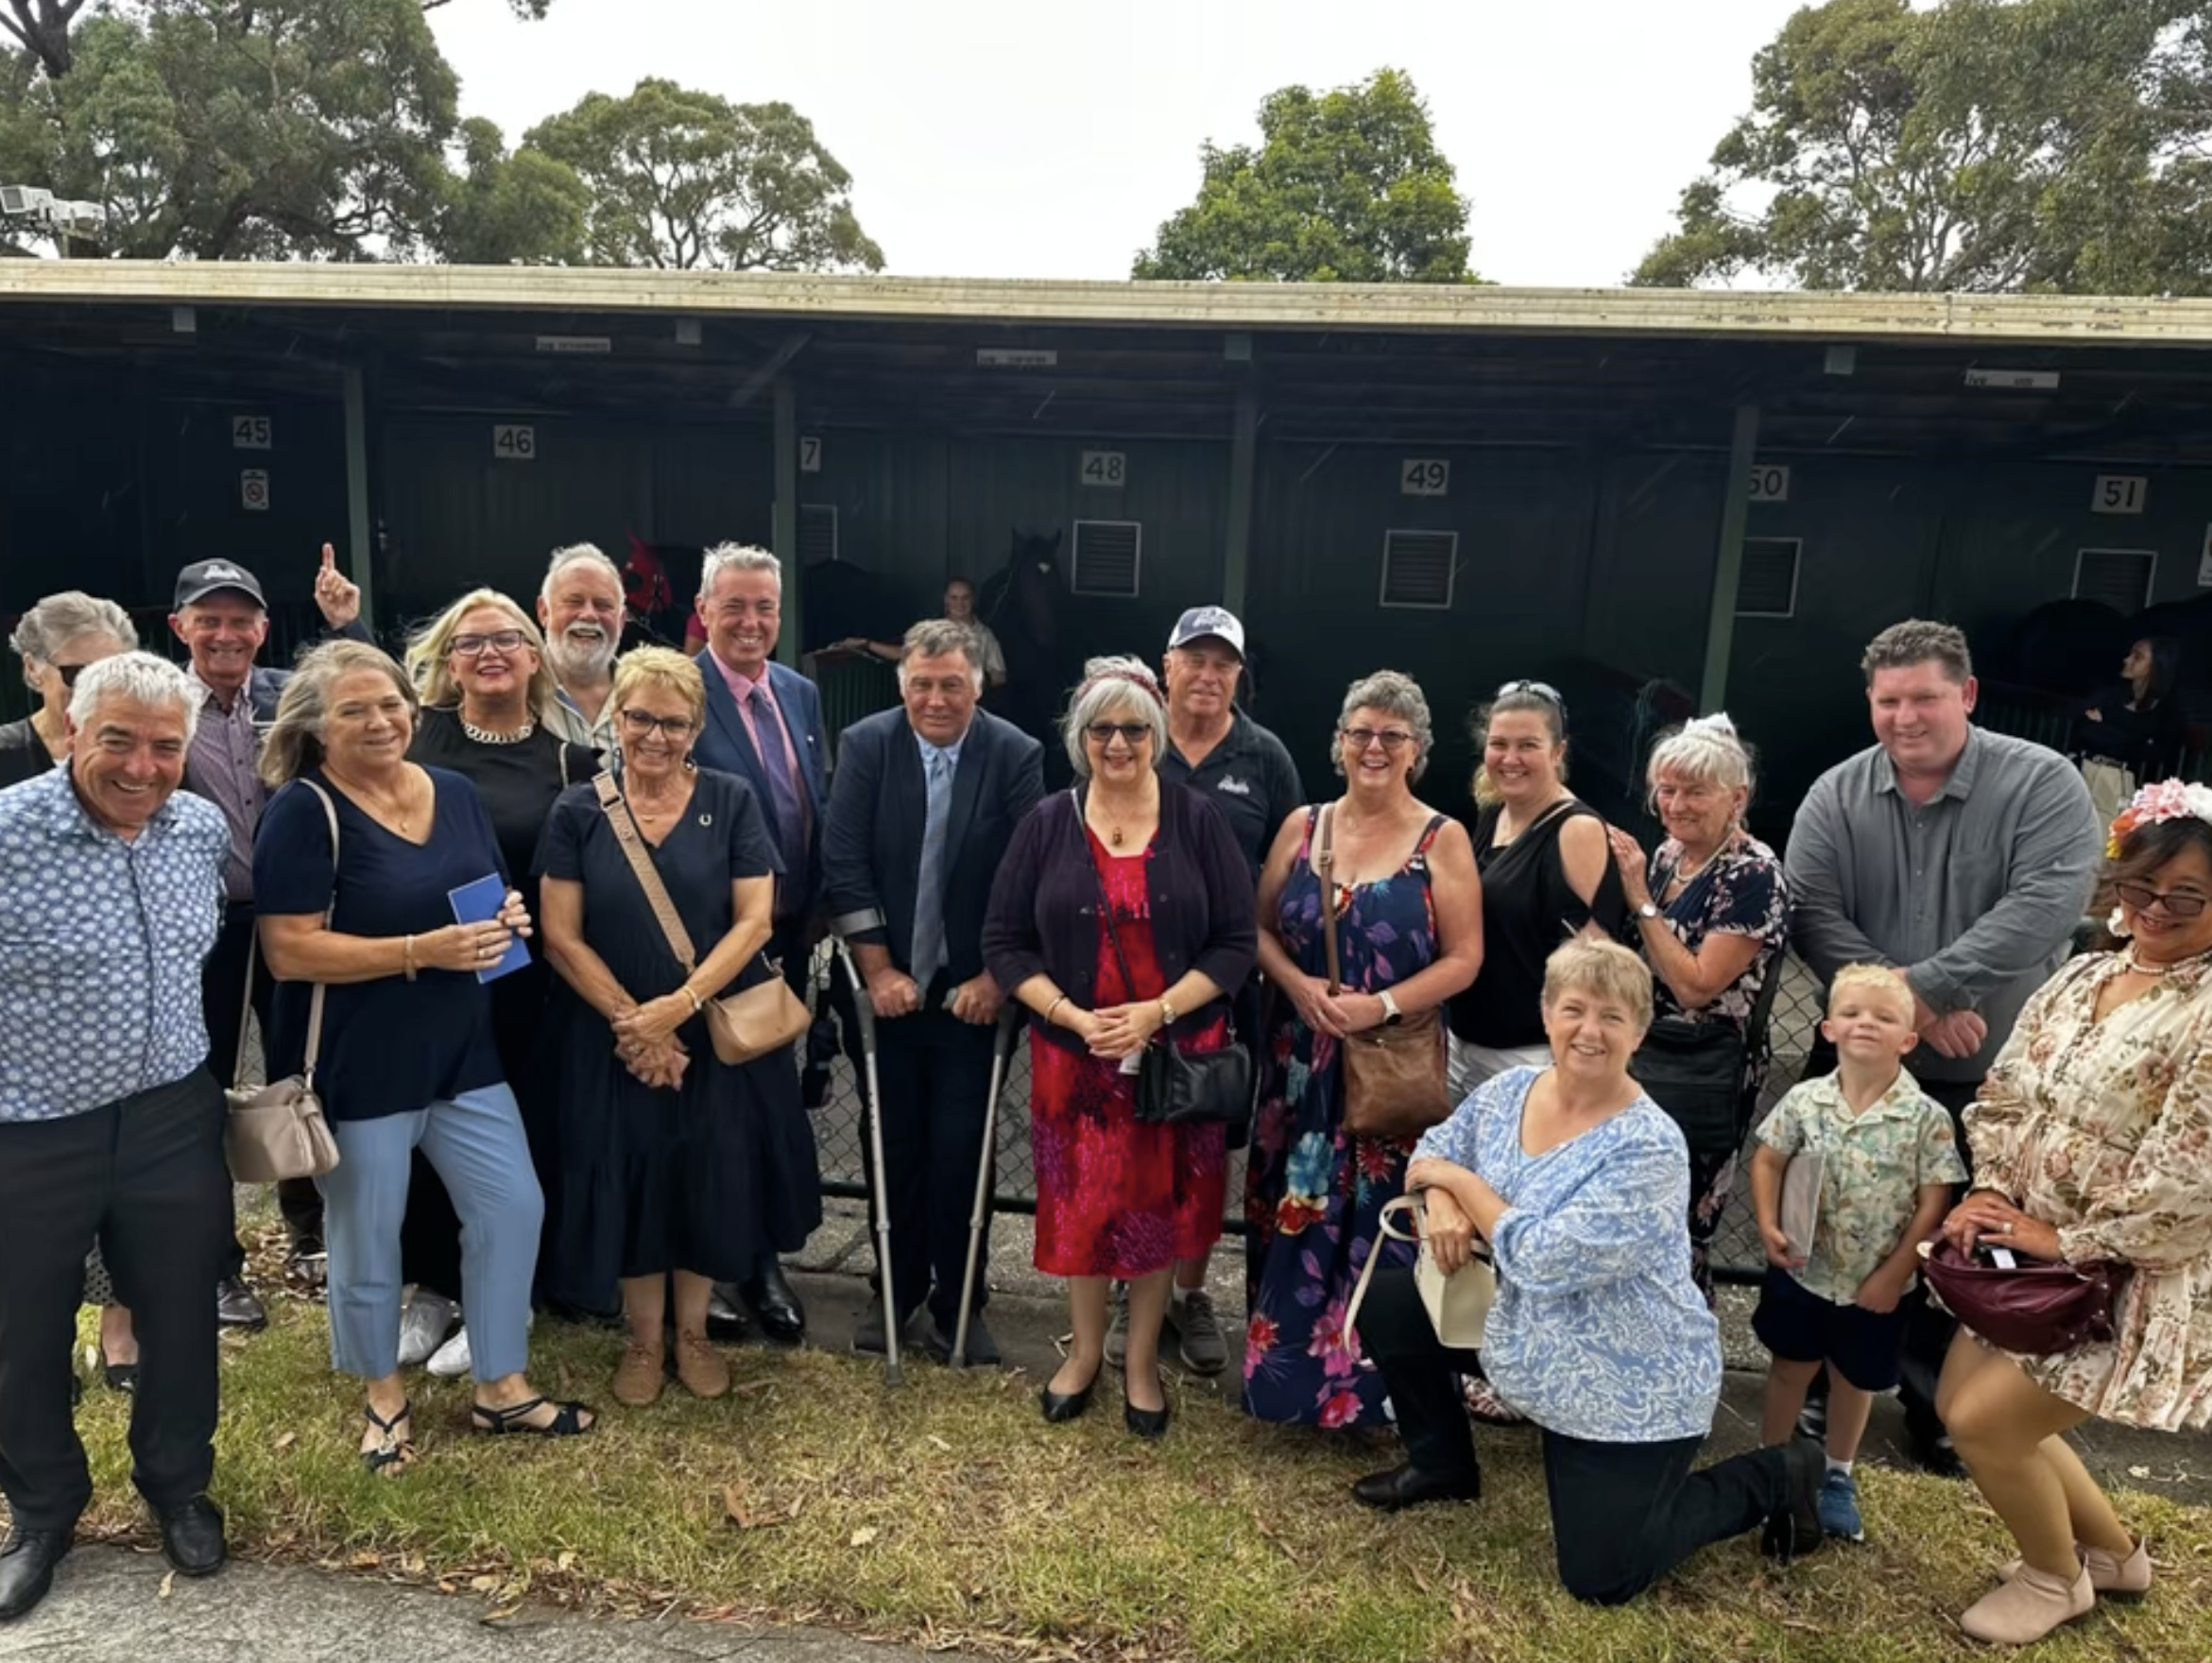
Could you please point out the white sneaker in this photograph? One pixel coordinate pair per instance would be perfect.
(450, 1361)
(423, 1326)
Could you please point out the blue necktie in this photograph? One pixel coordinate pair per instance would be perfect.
(782, 794)
(929, 894)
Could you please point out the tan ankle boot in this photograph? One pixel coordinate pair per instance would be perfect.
(2122, 1579)
(700, 1367)
(638, 1377)
(2027, 1608)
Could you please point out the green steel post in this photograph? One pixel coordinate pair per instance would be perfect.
(360, 533)
(786, 524)
(1728, 568)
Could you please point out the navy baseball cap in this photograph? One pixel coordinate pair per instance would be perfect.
(205, 578)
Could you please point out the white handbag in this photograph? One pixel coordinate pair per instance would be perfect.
(1458, 1304)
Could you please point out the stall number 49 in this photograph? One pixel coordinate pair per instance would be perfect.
(1424, 477)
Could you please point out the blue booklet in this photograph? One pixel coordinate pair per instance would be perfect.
(479, 903)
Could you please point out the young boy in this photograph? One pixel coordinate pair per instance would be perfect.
(1890, 1161)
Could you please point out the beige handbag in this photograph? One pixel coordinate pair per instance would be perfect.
(278, 1131)
(765, 1017)
(1459, 1304)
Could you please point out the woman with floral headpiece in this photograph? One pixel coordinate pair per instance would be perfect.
(2092, 1143)
(1122, 914)
(1711, 911)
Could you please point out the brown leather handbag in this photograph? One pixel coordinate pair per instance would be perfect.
(1396, 1078)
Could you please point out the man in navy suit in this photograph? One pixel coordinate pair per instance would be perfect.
(764, 725)
(926, 799)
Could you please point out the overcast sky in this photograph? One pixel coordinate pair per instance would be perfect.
(1034, 137)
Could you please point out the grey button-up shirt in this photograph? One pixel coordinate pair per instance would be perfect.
(1975, 895)
(222, 766)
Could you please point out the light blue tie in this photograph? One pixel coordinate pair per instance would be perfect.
(929, 894)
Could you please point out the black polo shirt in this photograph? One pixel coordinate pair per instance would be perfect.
(1250, 778)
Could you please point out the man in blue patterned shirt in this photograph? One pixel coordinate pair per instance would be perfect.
(110, 1127)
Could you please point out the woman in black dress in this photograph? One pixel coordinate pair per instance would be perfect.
(480, 670)
(674, 1167)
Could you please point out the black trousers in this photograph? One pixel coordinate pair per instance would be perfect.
(222, 993)
(1927, 1330)
(935, 1075)
(1623, 1515)
(144, 1177)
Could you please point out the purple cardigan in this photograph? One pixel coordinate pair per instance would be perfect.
(1043, 915)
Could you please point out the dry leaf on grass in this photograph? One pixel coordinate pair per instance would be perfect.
(864, 1535)
(168, 1584)
(285, 1441)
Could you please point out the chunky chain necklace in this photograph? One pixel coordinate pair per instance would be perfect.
(486, 736)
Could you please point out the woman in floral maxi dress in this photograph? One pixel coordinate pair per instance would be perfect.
(1409, 936)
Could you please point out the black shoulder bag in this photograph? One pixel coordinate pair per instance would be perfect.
(1700, 1073)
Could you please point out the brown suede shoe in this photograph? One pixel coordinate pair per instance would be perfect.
(2027, 1608)
(639, 1376)
(2109, 1575)
(700, 1367)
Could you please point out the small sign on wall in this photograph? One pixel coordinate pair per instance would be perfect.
(2119, 493)
(1424, 477)
(1106, 469)
(512, 443)
(810, 453)
(253, 490)
(251, 433)
(1770, 482)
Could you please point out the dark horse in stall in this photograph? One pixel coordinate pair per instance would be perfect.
(1028, 607)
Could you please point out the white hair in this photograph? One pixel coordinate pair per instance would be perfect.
(60, 619)
(565, 558)
(137, 677)
(1705, 751)
(737, 556)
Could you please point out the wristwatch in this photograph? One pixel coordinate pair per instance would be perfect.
(1391, 1016)
(1647, 911)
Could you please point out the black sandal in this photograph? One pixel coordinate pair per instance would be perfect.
(394, 1451)
(567, 1423)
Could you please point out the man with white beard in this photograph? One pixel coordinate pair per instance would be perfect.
(580, 607)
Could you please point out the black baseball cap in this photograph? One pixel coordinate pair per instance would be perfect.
(205, 578)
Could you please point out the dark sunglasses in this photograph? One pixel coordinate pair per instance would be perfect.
(2143, 898)
(68, 672)
(1133, 733)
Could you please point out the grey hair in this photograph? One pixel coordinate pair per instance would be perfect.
(294, 743)
(1706, 752)
(140, 678)
(737, 556)
(1110, 685)
(933, 637)
(565, 558)
(60, 619)
(1917, 640)
(1400, 694)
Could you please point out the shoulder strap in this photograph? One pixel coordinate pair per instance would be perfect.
(1325, 868)
(307, 1061)
(633, 848)
(562, 746)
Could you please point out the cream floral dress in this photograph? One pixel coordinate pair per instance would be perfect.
(2104, 1129)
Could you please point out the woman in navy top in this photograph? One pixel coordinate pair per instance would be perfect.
(1580, 1184)
(406, 1057)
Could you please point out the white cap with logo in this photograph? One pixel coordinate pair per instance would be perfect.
(1200, 622)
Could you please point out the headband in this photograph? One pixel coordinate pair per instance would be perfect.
(1134, 675)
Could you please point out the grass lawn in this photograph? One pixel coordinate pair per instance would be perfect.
(949, 1514)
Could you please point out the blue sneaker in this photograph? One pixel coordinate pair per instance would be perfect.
(1838, 1507)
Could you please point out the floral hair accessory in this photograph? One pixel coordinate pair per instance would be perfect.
(1132, 675)
(2169, 799)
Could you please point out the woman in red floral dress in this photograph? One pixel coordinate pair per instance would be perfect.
(1118, 1200)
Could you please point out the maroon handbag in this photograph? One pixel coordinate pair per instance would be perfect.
(2036, 1309)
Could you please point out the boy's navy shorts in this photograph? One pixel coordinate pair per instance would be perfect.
(1801, 1326)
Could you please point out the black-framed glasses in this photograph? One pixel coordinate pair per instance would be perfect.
(1133, 733)
(504, 640)
(641, 723)
(2143, 898)
(1393, 740)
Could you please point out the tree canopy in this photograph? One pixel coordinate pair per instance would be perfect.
(1982, 145)
(1345, 186)
(679, 178)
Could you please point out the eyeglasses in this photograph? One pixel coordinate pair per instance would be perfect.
(640, 724)
(68, 672)
(2143, 898)
(1133, 733)
(1541, 689)
(1393, 740)
(503, 641)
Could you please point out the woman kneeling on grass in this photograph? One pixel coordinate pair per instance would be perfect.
(1580, 1185)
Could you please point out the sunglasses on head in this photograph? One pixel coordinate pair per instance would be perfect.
(1541, 689)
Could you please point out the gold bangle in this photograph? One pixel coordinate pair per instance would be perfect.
(1052, 1007)
(407, 957)
(697, 1004)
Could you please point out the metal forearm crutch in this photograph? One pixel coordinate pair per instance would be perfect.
(879, 1186)
(1001, 1050)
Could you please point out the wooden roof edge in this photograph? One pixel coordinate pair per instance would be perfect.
(2008, 320)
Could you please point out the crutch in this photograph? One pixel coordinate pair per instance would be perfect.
(879, 1187)
(1001, 1050)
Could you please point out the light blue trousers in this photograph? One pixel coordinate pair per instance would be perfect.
(476, 1144)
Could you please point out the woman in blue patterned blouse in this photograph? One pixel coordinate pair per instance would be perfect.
(1580, 1184)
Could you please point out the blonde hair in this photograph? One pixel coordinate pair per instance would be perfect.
(430, 652)
(1603, 967)
(1870, 976)
(295, 737)
(660, 667)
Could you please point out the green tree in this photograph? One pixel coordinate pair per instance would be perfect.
(682, 179)
(1345, 186)
(505, 208)
(1982, 145)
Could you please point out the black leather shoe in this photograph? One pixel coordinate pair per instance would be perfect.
(867, 1331)
(118, 1377)
(1794, 1528)
(726, 1323)
(1062, 1406)
(1145, 1423)
(774, 1306)
(236, 1307)
(26, 1568)
(1409, 1487)
(192, 1537)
